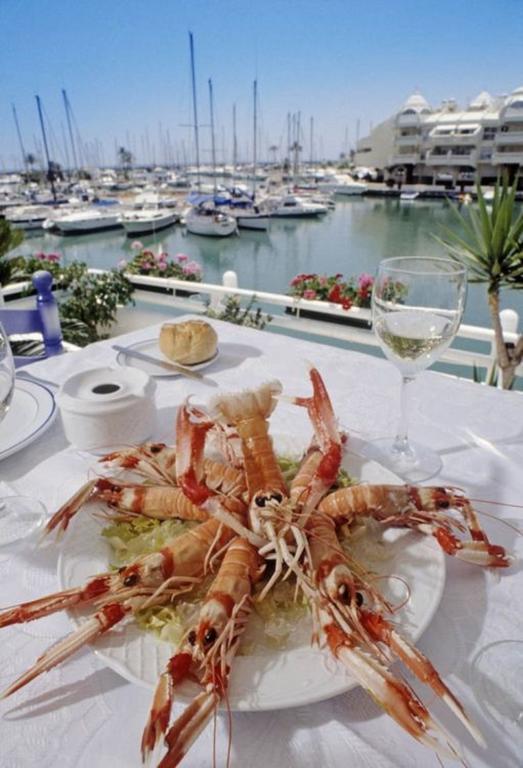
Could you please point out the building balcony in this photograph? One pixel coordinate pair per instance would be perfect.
(513, 115)
(408, 141)
(449, 158)
(404, 159)
(504, 158)
(407, 121)
(510, 137)
(452, 139)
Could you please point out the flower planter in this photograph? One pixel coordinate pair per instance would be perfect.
(362, 320)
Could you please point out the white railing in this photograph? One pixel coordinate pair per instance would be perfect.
(296, 323)
(339, 332)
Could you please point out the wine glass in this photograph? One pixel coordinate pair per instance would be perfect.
(417, 306)
(20, 516)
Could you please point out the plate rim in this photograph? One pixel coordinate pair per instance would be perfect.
(51, 414)
(166, 374)
(344, 685)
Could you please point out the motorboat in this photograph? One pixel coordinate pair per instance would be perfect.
(295, 206)
(250, 218)
(208, 220)
(88, 220)
(409, 197)
(342, 185)
(27, 217)
(147, 220)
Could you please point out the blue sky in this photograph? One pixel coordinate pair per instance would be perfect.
(125, 65)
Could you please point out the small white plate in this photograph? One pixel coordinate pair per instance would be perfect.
(31, 412)
(152, 348)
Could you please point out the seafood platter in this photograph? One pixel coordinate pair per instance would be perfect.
(225, 558)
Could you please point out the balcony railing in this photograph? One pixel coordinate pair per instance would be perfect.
(508, 157)
(412, 140)
(510, 137)
(404, 159)
(452, 139)
(407, 121)
(450, 158)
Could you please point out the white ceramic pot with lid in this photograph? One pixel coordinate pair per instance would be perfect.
(103, 408)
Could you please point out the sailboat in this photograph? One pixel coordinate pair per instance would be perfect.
(252, 218)
(204, 218)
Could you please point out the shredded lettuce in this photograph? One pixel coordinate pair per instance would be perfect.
(141, 536)
(278, 612)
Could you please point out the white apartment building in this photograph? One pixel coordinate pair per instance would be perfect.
(448, 144)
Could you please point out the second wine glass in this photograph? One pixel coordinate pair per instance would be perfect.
(417, 306)
(20, 516)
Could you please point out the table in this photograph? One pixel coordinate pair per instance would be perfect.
(83, 715)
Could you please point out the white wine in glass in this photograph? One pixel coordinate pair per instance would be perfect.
(417, 306)
(19, 516)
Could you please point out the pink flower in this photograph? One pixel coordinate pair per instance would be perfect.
(122, 264)
(181, 257)
(309, 294)
(162, 266)
(192, 268)
(146, 265)
(53, 257)
(365, 281)
(322, 280)
(163, 256)
(136, 245)
(40, 256)
(149, 254)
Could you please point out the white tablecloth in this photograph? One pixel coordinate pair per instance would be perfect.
(82, 714)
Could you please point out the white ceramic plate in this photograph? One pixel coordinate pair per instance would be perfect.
(152, 348)
(267, 679)
(31, 412)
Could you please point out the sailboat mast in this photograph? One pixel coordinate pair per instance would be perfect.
(213, 144)
(50, 172)
(255, 95)
(70, 127)
(234, 142)
(195, 112)
(19, 134)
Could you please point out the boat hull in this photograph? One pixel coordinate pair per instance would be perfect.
(259, 223)
(87, 226)
(133, 228)
(207, 226)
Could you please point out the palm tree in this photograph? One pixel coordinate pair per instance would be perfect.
(126, 159)
(492, 249)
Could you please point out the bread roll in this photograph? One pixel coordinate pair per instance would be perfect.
(188, 343)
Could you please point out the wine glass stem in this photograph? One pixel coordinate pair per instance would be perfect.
(401, 445)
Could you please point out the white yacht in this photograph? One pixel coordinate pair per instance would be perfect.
(249, 218)
(295, 206)
(148, 220)
(88, 220)
(27, 217)
(342, 185)
(209, 221)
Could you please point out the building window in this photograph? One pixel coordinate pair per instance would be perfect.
(489, 133)
(516, 104)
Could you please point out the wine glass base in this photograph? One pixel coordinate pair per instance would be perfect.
(423, 464)
(497, 681)
(20, 518)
